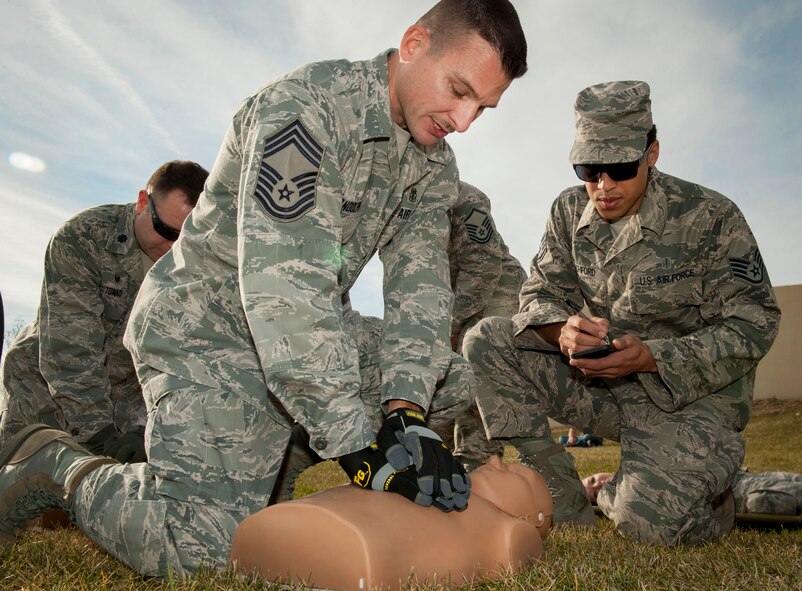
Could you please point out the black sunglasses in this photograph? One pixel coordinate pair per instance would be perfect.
(161, 228)
(623, 171)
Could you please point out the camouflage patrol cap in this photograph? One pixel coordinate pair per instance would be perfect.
(612, 120)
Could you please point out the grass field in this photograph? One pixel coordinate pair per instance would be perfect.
(751, 558)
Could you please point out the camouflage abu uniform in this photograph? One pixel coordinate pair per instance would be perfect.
(2, 326)
(685, 275)
(68, 368)
(239, 329)
(773, 493)
(485, 279)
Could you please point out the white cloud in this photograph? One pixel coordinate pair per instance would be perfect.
(26, 162)
(93, 62)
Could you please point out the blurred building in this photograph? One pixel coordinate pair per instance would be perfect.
(779, 374)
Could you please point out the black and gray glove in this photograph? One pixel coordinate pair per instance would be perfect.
(406, 440)
(369, 468)
(100, 440)
(129, 448)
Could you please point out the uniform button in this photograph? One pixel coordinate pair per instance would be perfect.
(320, 443)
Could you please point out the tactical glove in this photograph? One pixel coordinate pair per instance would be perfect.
(368, 468)
(129, 448)
(405, 439)
(98, 442)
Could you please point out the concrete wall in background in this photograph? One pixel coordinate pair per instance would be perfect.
(779, 374)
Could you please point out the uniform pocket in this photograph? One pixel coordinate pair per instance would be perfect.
(221, 329)
(658, 291)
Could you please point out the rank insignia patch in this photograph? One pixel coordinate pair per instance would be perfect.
(287, 178)
(749, 270)
(479, 228)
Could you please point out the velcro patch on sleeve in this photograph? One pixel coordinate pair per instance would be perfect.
(480, 229)
(287, 181)
(751, 270)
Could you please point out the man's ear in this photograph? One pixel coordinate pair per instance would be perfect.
(415, 42)
(654, 154)
(141, 201)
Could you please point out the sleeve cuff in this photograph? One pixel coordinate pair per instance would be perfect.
(671, 388)
(347, 436)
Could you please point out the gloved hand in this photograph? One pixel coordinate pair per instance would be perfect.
(129, 448)
(368, 468)
(405, 439)
(98, 442)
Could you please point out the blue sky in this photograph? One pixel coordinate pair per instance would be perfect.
(102, 93)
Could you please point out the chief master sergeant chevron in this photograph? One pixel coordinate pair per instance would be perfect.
(671, 271)
(238, 331)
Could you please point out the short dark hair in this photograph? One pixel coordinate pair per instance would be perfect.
(651, 136)
(185, 175)
(496, 21)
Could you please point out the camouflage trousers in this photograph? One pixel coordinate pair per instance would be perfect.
(213, 459)
(471, 442)
(452, 397)
(774, 493)
(673, 465)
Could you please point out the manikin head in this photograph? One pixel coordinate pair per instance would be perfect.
(517, 490)
(456, 61)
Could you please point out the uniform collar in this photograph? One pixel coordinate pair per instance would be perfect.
(123, 238)
(652, 211)
(377, 122)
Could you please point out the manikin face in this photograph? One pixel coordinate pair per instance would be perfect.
(432, 95)
(594, 483)
(171, 211)
(616, 199)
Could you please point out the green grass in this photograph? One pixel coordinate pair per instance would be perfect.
(575, 558)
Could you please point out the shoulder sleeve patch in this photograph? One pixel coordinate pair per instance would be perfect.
(286, 186)
(750, 270)
(480, 229)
